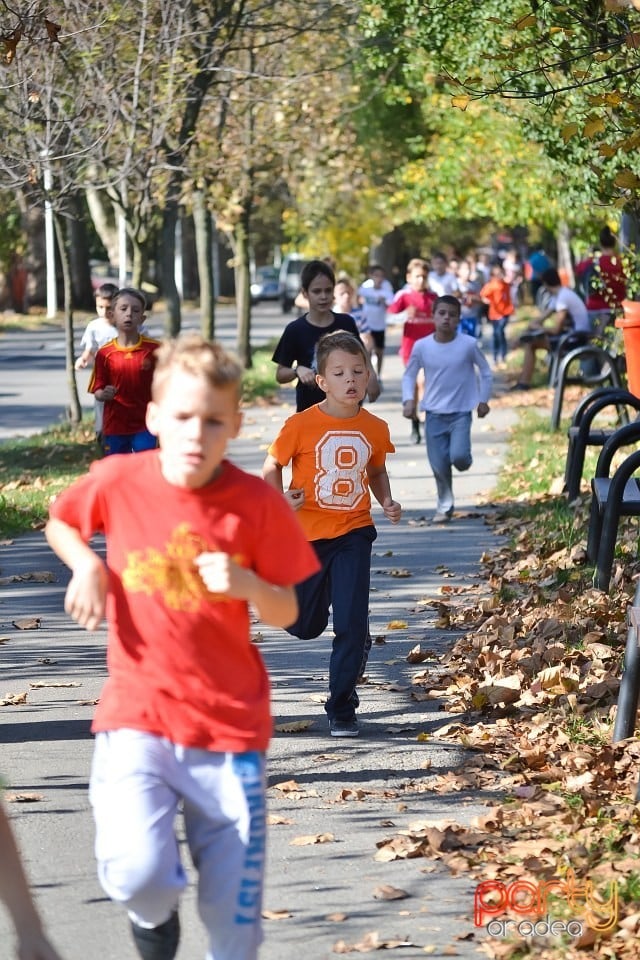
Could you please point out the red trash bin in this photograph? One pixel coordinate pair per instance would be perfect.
(630, 326)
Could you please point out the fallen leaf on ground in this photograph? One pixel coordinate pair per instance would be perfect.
(276, 914)
(311, 839)
(29, 623)
(38, 576)
(397, 625)
(386, 892)
(13, 699)
(54, 683)
(23, 797)
(294, 726)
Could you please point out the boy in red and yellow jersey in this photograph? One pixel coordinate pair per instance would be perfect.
(337, 452)
(122, 377)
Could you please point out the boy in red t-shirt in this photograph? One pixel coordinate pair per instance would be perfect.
(497, 294)
(337, 452)
(184, 717)
(417, 302)
(122, 376)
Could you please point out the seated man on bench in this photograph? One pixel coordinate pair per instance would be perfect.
(570, 315)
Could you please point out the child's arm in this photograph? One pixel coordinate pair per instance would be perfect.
(87, 591)
(84, 358)
(272, 473)
(381, 489)
(14, 891)
(304, 374)
(105, 393)
(275, 605)
(409, 379)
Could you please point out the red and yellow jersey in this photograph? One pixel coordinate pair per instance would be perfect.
(329, 457)
(130, 371)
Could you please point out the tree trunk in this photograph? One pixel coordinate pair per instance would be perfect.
(204, 249)
(79, 256)
(167, 266)
(104, 220)
(32, 217)
(243, 284)
(74, 410)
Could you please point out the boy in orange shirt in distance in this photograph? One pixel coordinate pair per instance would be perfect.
(496, 293)
(337, 451)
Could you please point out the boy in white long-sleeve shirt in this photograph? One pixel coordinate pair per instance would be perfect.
(457, 380)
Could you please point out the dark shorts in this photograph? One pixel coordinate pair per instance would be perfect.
(378, 338)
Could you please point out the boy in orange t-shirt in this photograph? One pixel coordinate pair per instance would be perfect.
(497, 294)
(337, 451)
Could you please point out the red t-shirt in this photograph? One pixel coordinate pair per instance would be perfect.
(420, 324)
(608, 286)
(329, 458)
(181, 664)
(130, 370)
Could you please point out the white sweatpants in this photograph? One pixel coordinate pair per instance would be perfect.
(138, 781)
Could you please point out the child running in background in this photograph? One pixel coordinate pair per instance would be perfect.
(337, 451)
(376, 295)
(417, 302)
(183, 721)
(98, 332)
(346, 301)
(15, 894)
(122, 376)
(457, 379)
(497, 295)
(295, 352)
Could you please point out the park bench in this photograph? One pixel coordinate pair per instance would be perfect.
(583, 434)
(629, 693)
(612, 497)
(575, 366)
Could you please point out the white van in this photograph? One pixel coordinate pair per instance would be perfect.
(289, 280)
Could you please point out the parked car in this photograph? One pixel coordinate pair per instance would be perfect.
(266, 284)
(289, 285)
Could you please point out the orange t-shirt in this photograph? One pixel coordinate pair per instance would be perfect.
(329, 458)
(498, 295)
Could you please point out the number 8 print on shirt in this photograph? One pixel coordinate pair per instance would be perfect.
(329, 458)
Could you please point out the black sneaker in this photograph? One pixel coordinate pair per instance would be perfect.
(520, 386)
(344, 728)
(158, 943)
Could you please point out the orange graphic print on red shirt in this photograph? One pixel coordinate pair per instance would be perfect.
(172, 572)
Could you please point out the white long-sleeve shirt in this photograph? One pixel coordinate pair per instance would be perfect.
(457, 375)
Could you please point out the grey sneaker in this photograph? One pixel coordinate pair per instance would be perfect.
(439, 517)
(344, 728)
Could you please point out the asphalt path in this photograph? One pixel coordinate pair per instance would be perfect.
(354, 793)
